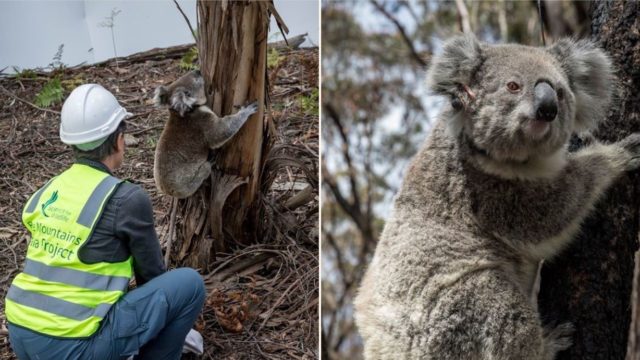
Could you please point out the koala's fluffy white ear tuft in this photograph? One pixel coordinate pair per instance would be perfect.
(591, 77)
(182, 103)
(161, 96)
(461, 56)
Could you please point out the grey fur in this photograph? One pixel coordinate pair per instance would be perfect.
(192, 130)
(590, 75)
(487, 198)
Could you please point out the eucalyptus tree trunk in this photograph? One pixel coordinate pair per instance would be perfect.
(590, 284)
(232, 46)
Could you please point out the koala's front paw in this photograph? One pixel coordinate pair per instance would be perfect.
(558, 339)
(251, 108)
(632, 144)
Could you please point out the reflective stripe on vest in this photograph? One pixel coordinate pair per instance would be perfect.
(74, 277)
(57, 294)
(54, 305)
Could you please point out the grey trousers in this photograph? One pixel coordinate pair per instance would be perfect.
(150, 322)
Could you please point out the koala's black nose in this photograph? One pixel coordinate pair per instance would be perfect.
(197, 72)
(545, 103)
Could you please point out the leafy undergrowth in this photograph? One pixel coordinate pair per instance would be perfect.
(263, 298)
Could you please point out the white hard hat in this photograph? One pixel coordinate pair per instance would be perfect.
(89, 115)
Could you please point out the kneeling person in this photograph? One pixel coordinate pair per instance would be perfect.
(90, 234)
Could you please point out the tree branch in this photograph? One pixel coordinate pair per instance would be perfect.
(333, 114)
(193, 33)
(463, 14)
(502, 20)
(350, 209)
(346, 284)
(402, 31)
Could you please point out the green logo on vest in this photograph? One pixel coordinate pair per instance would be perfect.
(51, 200)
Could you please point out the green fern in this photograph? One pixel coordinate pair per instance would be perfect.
(189, 60)
(52, 93)
(24, 73)
(309, 104)
(273, 58)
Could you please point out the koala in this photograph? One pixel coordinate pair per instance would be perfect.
(492, 192)
(181, 158)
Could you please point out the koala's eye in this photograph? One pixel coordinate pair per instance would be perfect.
(560, 94)
(513, 86)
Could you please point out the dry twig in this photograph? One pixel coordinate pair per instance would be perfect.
(27, 102)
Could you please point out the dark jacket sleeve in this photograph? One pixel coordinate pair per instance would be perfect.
(134, 225)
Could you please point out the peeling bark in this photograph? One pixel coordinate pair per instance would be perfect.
(232, 46)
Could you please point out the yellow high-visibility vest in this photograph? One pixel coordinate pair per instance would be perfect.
(57, 294)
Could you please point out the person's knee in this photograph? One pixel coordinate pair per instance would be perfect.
(193, 280)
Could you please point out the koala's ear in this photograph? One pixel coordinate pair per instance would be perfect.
(161, 97)
(591, 78)
(461, 56)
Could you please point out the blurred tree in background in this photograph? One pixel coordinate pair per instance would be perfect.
(376, 111)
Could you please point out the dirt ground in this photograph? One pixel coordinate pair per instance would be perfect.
(262, 298)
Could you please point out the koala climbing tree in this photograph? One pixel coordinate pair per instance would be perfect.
(493, 191)
(232, 47)
(192, 131)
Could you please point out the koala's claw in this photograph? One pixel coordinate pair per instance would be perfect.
(558, 339)
(633, 164)
(632, 143)
(251, 108)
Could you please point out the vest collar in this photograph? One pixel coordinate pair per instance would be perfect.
(94, 164)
